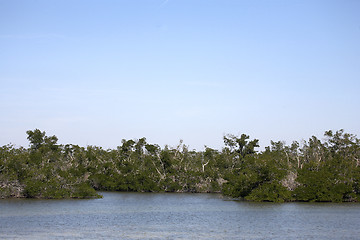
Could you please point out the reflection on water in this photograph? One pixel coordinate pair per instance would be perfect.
(175, 216)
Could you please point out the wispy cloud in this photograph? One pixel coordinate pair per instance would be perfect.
(204, 84)
(164, 3)
(32, 36)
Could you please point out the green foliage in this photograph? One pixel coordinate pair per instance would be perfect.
(241, 145)
(323, 183)
(39, 140)
(33, 188)
(312, 171)
(270, 192)
(241, 186)
(84, 190)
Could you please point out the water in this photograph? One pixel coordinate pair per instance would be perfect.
(175, 216)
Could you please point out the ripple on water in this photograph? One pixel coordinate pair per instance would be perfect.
(174, 216)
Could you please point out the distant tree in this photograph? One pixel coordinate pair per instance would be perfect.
(241, 145)
(316, 170)
(38, 139)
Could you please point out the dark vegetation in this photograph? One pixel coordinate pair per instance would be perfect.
(314, 170)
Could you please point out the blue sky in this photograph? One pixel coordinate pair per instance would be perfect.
(95, 72)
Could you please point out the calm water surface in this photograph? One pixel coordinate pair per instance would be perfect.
(175, 216)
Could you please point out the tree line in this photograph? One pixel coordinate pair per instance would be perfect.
(325, 170)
